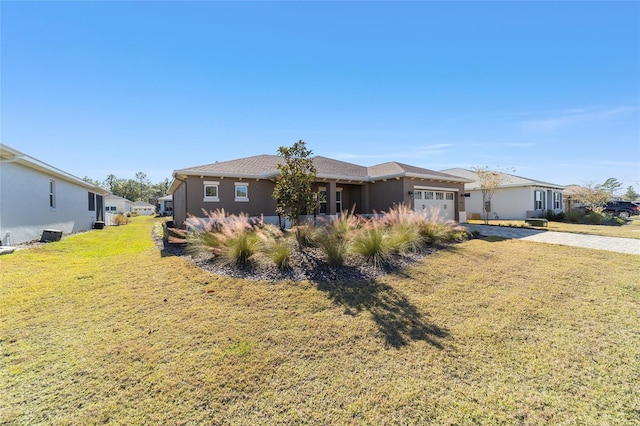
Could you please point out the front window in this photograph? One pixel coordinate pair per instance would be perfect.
(211, 191)
(339, 201)
(242, 191)
(557, 200)
(322, 194)
(538, 200)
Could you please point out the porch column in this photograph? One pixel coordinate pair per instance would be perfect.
(331, 198)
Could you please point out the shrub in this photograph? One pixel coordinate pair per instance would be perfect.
(593, 218)
(575, 216)
(120, 219)
(551, 216)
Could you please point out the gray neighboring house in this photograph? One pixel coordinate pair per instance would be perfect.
(517, 198)
(246, 185)
(35, 196)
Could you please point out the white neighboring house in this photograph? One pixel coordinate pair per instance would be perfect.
(35, 196)
(143, 208)
(517, 198)
(166, 205)
(114, 205)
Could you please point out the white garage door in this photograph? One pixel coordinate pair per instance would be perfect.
(440, 203)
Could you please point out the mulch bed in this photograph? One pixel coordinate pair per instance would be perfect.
(308, 265)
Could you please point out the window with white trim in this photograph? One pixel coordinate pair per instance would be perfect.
(428, 195)
(439, 195)
(417, 195)
(211, 191)
(242, 191)
(52, 194)
(538, 200)
(92, 202)
(449, 196)
(557, 200)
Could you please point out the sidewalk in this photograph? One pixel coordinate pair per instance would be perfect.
(597, 242)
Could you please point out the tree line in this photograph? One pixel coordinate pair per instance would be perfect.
(138, 189)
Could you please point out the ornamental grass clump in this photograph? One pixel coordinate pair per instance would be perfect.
(276, 246)
(332, 244)
(232, 237)
(279, 252)
(433, 233)
(372, 242)
(404, 238)
(241, 246)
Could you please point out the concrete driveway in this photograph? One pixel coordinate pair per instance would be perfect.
(597, 242)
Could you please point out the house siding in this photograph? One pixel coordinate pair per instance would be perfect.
(512, 203)
(24, 205)
(364, 190)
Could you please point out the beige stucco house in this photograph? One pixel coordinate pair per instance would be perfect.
(246, 185)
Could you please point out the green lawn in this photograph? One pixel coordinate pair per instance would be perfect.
(101, 328)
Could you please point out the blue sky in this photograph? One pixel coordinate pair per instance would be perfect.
(551, 89)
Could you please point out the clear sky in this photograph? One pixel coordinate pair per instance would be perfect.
(551, 89)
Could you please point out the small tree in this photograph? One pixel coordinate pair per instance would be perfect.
(594, 197)
(489, 182)
(631, 194)
(293, 190)
(611, 186)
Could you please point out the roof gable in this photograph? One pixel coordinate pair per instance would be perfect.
(12, 155)
(394, 169)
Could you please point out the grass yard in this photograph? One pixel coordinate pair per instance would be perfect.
(101, 328)
(630, 230)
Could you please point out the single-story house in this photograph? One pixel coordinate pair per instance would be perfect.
(143, 208)
(114, 204)
(517, 197)
(246, 185)
(35, 196)
(166, 205)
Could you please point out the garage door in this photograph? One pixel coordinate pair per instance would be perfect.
(433, 202)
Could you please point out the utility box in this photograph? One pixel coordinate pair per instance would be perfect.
(49, 235)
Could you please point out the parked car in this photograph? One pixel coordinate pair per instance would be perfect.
(622, 208)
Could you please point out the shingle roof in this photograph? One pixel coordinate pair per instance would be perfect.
(258, 166)
(265, 167)
(509, 180)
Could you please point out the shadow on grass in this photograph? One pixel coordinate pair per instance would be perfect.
(396, 317)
